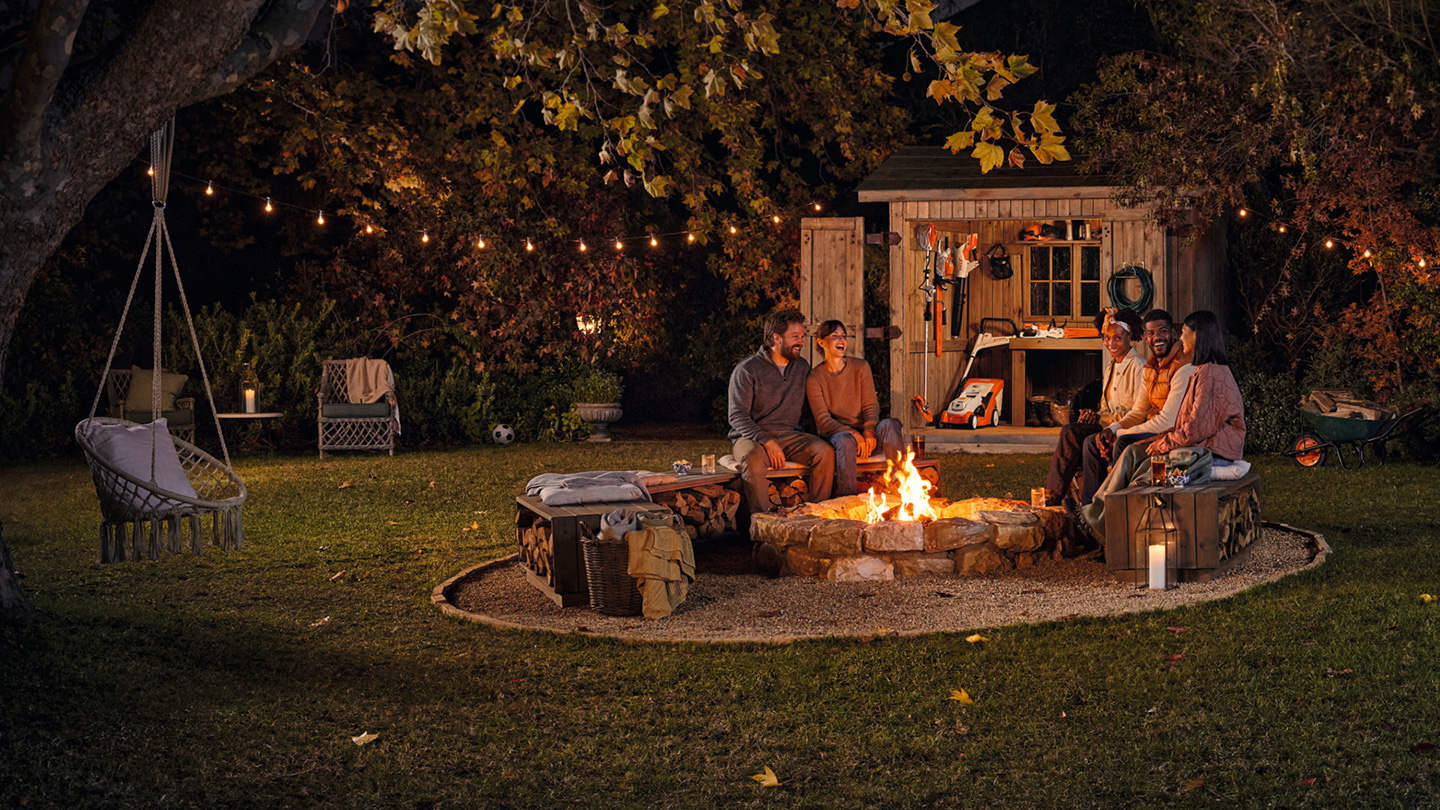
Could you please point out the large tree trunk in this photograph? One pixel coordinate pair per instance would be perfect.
(12, 601)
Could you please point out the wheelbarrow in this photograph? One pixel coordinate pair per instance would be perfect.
(1312, 447)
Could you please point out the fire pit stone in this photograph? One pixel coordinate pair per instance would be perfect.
(979, 536)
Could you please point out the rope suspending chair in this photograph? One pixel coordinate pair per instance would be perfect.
(154, 487)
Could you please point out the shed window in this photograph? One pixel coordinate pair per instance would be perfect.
(1064, 282)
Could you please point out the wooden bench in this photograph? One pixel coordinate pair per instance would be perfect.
(1207, 528)
(549, 539)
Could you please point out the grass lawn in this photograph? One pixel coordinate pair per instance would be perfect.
(237, 680)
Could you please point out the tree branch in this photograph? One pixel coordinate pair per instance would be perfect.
(282, 29)
(37, 74)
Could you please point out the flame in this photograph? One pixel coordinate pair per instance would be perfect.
(912, 490)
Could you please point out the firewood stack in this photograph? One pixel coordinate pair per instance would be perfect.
(1342, 402)
(708, 510)
(536, 548)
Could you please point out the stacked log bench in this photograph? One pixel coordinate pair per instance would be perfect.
(1207, 528)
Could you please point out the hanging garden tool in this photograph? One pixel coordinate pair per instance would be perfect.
(958, 300)
(927, 286)
(944, 277)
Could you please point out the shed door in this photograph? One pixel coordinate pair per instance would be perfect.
(832, 277)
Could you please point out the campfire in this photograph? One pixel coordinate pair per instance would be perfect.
(903, 528)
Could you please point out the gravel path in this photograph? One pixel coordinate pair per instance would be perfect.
(729, 603)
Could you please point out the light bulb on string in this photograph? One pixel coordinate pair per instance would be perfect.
(653, 241)
(775, 219)
(1329, 243)
(583, 246)
(369, 228)
(268, 206)
(150, 171)
(732, 229)
(690, 237)
(1367, 253)
(320, 220)
(210, 189)
(817, 206)
(1242, 213)
(618, 244)
(480, 242)
(1282, 229)
(425, 237)
(529, 246)
(1422, 262)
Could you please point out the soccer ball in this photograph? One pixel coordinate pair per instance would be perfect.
(502, 434)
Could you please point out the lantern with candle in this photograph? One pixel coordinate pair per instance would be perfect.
(248, 386)
(1154, 543)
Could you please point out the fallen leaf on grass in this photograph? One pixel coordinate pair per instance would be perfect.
(1422, 748)
(962, 696)
(338, 574)
(976, 639)
(345, 485)
(432, 484)
(1387, 726)
(325, 620)
(1308, 643)
(767, 779)
(1427, 598)
(1175, 657)
(1194, 784)
(364, 738)
(1335, 672)
(472, 527)
(1178, 629)
(1309, 780)
(392, 523)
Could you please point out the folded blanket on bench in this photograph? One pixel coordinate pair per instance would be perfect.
(564, 489)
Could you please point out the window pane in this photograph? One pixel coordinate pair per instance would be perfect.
(1089, 298)
(1040, 299)
(1062, 298)
(1060, 263)
(1040, 263)
(1090, 263)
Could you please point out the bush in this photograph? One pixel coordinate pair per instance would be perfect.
(1271, 397)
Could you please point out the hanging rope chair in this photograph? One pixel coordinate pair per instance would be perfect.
(154, 487)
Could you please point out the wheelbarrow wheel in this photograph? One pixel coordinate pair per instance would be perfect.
(1308, 450)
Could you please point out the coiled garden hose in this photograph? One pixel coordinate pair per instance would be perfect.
(1116, 288)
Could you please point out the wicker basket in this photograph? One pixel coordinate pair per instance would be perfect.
(613, 591)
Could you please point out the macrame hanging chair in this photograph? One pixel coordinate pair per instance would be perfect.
(155, 488)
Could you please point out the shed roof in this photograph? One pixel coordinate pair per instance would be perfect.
(933, 168)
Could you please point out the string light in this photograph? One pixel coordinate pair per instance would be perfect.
(369, 228)
(210, 189)
(1282, 229)
(529, 246)
(1243, 213)
(1367, 253)
(690, 237)
(150, 171)
(583, 246)
(480, 242)
(618, 244)
(320, 220)
(775, 219)
(817, 206)
(732, 229)
(425, 237)
(268, 206)
(1422, 262)
(1329, 243)
(653, 241)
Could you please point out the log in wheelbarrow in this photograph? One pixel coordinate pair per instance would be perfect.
(1313, 446)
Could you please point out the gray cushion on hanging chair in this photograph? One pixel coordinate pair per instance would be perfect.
(176, 419)
(354, 410)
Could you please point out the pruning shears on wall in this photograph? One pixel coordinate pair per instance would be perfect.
(927, 286)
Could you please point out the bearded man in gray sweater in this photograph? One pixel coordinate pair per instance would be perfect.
(767, 397)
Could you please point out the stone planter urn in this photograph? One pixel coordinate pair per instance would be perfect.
(599, 415)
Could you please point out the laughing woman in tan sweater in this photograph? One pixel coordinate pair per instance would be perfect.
(841, 392)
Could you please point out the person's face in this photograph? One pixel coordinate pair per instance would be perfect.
(1187, 339)
(1117, 341)
(792, 342)
(834, 343)
(1159, 337)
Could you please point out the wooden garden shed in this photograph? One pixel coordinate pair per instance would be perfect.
(1065, 238)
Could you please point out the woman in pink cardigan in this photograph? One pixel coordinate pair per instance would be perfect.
(1211, 415)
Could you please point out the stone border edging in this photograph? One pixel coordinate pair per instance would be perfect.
(440, 597)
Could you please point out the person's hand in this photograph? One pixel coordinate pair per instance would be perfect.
(867, 445)
(1154, 448)
(1088, 417)
(1105, 443)
(775, 454)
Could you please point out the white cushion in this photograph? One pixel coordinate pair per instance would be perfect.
(128, 449)
(1230, 472)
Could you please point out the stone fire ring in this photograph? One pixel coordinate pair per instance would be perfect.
(730, 602)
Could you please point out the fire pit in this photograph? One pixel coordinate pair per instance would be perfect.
(904, 531)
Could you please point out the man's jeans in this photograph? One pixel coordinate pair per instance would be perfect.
(802, 448)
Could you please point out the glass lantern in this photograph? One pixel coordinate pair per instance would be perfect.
(248, 386)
